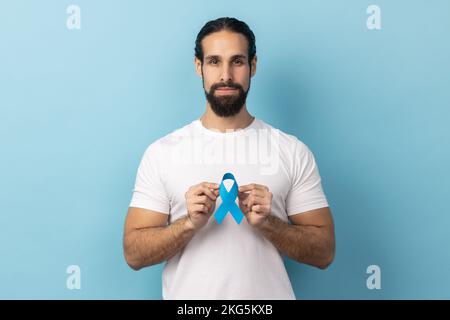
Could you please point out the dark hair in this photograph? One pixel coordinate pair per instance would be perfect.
(231, 24)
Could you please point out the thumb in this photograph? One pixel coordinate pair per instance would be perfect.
(243, 207)
(242, 196)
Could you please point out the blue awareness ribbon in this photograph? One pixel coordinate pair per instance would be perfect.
(228, 201)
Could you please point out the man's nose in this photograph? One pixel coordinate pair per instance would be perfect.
(226, 74)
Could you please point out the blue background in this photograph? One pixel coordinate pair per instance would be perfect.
(79, 107)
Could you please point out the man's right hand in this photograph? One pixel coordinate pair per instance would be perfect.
(201, 203)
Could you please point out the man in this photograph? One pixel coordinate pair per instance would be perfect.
(172, 215)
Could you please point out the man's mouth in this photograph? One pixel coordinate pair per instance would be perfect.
(226, 89)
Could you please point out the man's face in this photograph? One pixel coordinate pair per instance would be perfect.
(225, 71)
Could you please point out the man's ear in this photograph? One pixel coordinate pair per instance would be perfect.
(253, 65)
(198, 66)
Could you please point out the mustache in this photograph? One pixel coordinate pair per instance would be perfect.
(225, 84)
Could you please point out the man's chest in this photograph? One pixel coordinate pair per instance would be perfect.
(179, 178)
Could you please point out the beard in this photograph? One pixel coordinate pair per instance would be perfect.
(226, 105)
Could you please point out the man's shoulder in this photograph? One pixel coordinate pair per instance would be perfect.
(177, 134)
(286, 140)
(170, 140)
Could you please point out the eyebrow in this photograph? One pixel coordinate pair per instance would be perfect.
(242, 56)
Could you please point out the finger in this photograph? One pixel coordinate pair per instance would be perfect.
(205, 190)
(194, 189)
(200, 208)
(242, 205)
(246, 187)
(242, 196)
(202, 199)
(252, 200)
(260, 208)
(210, 185)
(252, 186)
(258, 193)
(243, 208)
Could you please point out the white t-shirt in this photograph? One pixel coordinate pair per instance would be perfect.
(228, 260)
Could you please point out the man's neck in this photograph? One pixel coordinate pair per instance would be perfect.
(240, 120)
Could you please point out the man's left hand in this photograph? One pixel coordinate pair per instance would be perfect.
(255, 202)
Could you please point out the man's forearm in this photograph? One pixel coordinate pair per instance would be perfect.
(307, 244)
(148, 246)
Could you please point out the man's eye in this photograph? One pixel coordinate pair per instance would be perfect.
(213, 61)
(238, 62)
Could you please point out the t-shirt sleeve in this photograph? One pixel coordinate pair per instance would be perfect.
(306, 191)
(149, 191)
